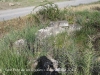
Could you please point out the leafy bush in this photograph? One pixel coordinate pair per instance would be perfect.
(48, 11)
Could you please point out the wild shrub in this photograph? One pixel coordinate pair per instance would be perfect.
(48, 11)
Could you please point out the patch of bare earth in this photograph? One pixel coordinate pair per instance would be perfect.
(7, 5)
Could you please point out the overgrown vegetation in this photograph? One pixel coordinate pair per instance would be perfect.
(76, 52)
(48, 12)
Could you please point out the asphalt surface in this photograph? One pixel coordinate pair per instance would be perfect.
(19, 12)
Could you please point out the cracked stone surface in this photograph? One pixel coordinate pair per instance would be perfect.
(57, 27)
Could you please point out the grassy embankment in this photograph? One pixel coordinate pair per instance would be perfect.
(76, 51)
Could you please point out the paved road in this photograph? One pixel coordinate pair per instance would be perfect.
(19, 12)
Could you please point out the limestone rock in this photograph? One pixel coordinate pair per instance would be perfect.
(48, 31)
(63, 24)
(54, 28)
(57, 27)
(11, 4)
(19, 45)
(55, 62)
(73, 28)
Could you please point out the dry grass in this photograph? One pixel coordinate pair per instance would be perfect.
(20, 23)
(14, 24)
(85, 7)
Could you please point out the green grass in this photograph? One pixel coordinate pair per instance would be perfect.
(76, 51)
(8, 55)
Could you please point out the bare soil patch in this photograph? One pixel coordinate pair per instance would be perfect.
(5, 5)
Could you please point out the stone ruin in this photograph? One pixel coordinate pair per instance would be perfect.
(56, 27)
